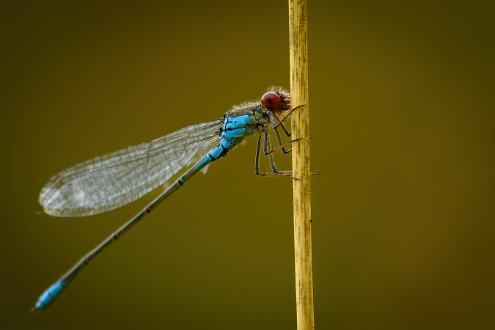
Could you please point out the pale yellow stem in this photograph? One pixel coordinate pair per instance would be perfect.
(300, 163)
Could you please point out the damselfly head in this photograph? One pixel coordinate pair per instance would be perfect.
(276, 101)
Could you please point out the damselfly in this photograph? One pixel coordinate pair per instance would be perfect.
(107, 182)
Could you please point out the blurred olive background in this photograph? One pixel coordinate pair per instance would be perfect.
(402, 121)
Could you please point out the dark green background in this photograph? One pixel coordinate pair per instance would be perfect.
(402, 116)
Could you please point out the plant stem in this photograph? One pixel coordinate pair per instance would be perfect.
(300, 163)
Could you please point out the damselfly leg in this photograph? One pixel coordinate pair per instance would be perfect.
(264, 138)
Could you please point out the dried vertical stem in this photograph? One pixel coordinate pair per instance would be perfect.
(300, 163)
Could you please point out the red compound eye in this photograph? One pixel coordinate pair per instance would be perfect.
(271, 101)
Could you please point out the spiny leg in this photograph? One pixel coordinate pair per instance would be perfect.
(274, 121)
(285, 129)
(280, 143)
(267, 147)
(257, 157)
(281, 124)
(287, 115)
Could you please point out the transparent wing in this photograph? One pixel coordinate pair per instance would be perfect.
(110, 181)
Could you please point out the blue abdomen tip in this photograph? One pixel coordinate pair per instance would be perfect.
(49, 295)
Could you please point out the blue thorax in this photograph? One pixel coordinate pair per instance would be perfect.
(234, 129)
